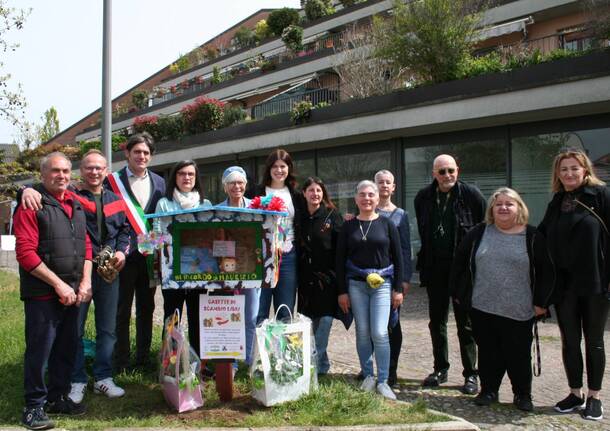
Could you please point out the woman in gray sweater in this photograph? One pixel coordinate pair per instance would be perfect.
(499, 274)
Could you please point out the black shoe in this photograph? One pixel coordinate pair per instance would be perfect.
(471, 385)
(570, 403)
(486, 398)
(435, 379)
(524, 402)
(392, 378)
(65, 406)
(36, 419)
(594, 410)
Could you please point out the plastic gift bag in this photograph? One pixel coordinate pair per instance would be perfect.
(179, 368)
(284, 366)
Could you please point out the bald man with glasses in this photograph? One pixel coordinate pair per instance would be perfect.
(446, 209)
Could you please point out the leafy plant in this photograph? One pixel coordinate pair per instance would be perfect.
(279, 19)
(211, 52)
(320, 105)
(202, 115)
(315, 9)
(348, 3)
(261, 30)
(244, 37)
(217, 77)
(431, 38)
(139, 98)
(292, 36)
(233, 115)
(301, 111)
(118, 140)
(180, 65)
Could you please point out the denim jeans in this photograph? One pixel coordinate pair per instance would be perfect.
(106, 298)
(252, 302)
(370, 308)
(321, 330)
(284, 292)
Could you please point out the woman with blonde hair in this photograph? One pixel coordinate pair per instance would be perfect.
(498, 274)
(576, 227)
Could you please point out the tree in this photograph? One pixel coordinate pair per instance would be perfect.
(279, 19)
(12, 102)
(599, 18)
(244, 37)
(432, 38)
(361, 73)
(315, 9)
(50, 126)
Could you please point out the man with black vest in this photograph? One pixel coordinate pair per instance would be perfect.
(446, 209)
(54, 255)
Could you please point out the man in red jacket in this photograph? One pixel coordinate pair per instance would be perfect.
(54, 255)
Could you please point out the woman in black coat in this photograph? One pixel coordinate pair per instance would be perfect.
(499, 274)
(320, 225)
(576, 227)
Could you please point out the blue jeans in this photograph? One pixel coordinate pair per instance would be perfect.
(321, 330)
(370, 308)
(284, 292)
(252, 303)
(106, 298)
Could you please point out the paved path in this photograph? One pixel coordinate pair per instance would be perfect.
(416, 362)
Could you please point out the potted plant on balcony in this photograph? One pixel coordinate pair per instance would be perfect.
(292, 36)
(301, 111)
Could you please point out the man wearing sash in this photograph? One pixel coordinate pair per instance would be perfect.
(446, 210)
(140, 188)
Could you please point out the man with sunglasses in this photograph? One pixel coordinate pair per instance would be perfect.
(445, 210)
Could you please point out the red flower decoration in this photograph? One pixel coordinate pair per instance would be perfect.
(256, 203)
(276, 204)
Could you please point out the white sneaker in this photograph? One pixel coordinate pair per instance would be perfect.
(385, 391)
(77, 392)
(108, 387)
(368, 385)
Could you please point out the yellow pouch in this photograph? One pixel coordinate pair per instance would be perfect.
(374, 280)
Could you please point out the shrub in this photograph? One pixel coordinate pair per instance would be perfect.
(118, 141)
(279, 19)
(292, 36)
(301, 111)
(139, 98)
(217, 78)
(233, 115)
(202, 115)
(169, 127)
(244, 37)
(348, 3)
(315, 9)
(146, 123)
(261, 30)
(475, 66)
(181, 64)
(211, 52)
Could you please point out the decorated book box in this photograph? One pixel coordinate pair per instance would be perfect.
(214, 247)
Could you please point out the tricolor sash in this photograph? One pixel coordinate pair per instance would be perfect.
(135, 213)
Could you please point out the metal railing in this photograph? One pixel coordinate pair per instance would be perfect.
(285, 103)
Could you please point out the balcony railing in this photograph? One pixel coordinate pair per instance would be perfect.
(285, 103)
(198, 84)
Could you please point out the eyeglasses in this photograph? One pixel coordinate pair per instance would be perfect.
(186, 174)
(443, 171)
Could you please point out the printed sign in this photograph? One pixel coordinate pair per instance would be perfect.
(222, 327)
(223, 249)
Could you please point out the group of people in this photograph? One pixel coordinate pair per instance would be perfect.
(500, 273)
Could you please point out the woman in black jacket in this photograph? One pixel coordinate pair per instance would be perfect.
(498, 274)
(279, 180)
(576, 227)
(320, 226)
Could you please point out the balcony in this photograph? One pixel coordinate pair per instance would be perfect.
(265, 64)
(285, 102)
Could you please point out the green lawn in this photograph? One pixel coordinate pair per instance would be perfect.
(335, 403)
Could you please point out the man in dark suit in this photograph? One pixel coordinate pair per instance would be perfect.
(141, 189)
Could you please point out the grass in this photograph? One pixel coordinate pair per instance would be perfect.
(336, 402)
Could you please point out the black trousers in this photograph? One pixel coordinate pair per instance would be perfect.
(175, 298)
(577, 315)
(134, 281)
(51, 334)
(438, 309)
(505, 346)
(395, 336)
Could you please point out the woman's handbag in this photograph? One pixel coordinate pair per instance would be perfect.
(179, 368)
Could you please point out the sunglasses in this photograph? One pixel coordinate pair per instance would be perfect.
(443, 171)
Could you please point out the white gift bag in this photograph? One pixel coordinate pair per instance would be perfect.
(283, 369)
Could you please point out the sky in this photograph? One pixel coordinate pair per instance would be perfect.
(59, 61)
